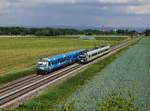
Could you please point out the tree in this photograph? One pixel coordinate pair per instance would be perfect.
(44, 32)
(147, 32)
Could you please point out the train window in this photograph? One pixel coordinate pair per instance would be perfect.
(63, 60)
(49, 63)
(52, 63)
(94, 54)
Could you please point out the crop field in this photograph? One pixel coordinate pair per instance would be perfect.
(128, 76)
(20, 54)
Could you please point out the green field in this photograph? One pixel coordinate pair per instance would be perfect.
(20, 54)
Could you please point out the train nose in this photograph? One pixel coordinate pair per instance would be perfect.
(42, 68)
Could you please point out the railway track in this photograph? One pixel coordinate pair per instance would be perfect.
(19, 84)
(14, 90)
(23, 90)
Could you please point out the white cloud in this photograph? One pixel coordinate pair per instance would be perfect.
(50, 1)
(143, 9)
(28, 2)
(79, 1)
(4, 4)
(143, 6)
(114, 1)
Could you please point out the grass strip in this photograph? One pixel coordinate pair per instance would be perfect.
(116, 101)
(53, 96)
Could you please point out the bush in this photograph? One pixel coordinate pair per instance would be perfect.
(117, 102)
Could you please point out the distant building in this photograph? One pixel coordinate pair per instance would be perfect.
(87, 38)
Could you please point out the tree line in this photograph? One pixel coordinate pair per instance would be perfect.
(62, 31)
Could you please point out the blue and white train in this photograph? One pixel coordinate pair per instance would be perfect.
(47, 65)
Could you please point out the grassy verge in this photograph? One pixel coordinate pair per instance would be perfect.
(53, 96)
(116, 101)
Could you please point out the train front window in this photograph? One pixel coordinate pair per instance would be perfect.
(42, 63)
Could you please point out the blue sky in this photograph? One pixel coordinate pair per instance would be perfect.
(127, 13)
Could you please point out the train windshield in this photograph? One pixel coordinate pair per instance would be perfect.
(42, 63)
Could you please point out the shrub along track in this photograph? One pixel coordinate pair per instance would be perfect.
(22, 88)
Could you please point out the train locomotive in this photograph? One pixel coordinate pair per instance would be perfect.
(47, 65)
(94, 53)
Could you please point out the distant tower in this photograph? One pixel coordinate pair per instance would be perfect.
(115, 30)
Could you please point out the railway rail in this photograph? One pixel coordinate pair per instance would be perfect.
(19, 89)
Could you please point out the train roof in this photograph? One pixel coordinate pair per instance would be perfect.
(60, 56)
(97, 49)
